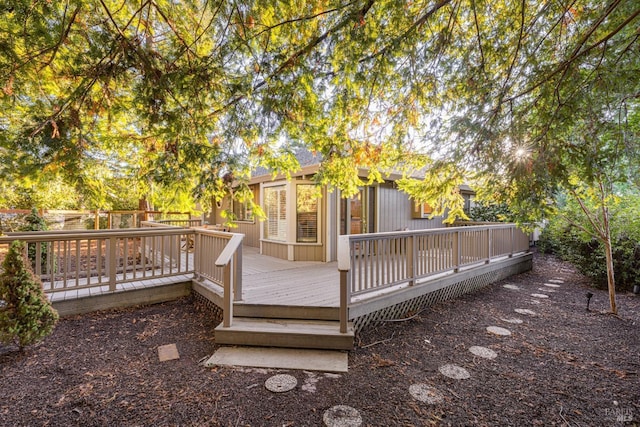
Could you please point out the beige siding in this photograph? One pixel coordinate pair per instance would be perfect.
(394, 212)
(251, 230)
(308, 253)
(275, 249)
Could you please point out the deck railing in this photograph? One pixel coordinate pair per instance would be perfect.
(230, 260)
(218, 259)
(180, 222)
(370, 264)
(68, 260)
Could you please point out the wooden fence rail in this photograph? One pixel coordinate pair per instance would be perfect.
(370, 264)
(67, 260)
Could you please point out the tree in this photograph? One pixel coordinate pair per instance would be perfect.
(199, 93)
(26, 316)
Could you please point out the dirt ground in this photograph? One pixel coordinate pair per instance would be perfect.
(561, 366)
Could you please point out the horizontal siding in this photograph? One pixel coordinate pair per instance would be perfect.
(395, 209)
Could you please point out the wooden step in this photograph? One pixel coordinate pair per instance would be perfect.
(288, 333)
(274, 311)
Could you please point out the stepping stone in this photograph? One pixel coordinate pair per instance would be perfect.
(551, 285)
(556, 281)
(525, 311)
(342, 416)
(514, 287)
(540, 295)
(281, 383)
(455, 372)
(512, 320)
(168, 352)
(485, 352)
(497, 330)
(533, 301)
(547, 290)
(425, 393)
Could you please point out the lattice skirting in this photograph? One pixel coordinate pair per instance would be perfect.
(201, 301)
(412, 306)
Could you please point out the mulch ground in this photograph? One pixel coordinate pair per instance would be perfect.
(562, 366)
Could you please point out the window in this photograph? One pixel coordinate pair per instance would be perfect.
(307, 213)
(275, 206)
(421, 210)
(242, 211)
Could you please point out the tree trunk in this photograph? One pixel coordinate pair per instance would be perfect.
(611, 281)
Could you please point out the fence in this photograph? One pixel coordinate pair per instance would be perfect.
(370, 264)
(67, 260)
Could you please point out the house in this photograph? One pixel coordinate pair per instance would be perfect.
(300, 226)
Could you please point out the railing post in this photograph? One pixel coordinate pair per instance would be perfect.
(345, 296)
(237, 274)
(489, 236)
(197, 250)
(511, 240)
(227, 311)
(112, 262)
(456, 251)
(344, 267)
(411, 274)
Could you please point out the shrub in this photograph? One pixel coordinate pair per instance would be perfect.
(26, 315)
(572, 244)
(90, 223)
(491, 212)
(34, 222)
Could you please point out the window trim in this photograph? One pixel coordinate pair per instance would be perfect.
(315, 218)
(282, 224)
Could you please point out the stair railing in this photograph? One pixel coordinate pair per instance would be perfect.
(230, 259)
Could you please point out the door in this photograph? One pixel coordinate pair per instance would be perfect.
(357, 214)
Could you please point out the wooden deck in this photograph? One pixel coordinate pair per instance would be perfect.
(272, 281)
(297, 304)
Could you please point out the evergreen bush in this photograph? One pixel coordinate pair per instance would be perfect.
(34, 222)
(26, 315)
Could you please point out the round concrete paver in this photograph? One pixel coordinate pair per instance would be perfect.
(550, 291)
(551, 285)
(425, 393)
(281, 383)
(455, 372)
(514, 287)
(485, 352)
(540, 295)
(525, 311)
(556, 280)
(342, 416)
(497, 330)
(513, 320)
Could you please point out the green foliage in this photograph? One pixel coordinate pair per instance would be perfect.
(566, 236)
(46, 192)
(26, 315)
(34, 222)
(491, 212)
(90, 223)
(191, 96)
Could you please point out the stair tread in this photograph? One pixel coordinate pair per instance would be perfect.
(286, 326)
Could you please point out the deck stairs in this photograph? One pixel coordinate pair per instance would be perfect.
(285, 326)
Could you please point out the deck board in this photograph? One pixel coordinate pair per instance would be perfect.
(267, 280)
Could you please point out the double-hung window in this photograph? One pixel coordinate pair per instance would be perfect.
(275, 206)
(307, 213)
(242, 211)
